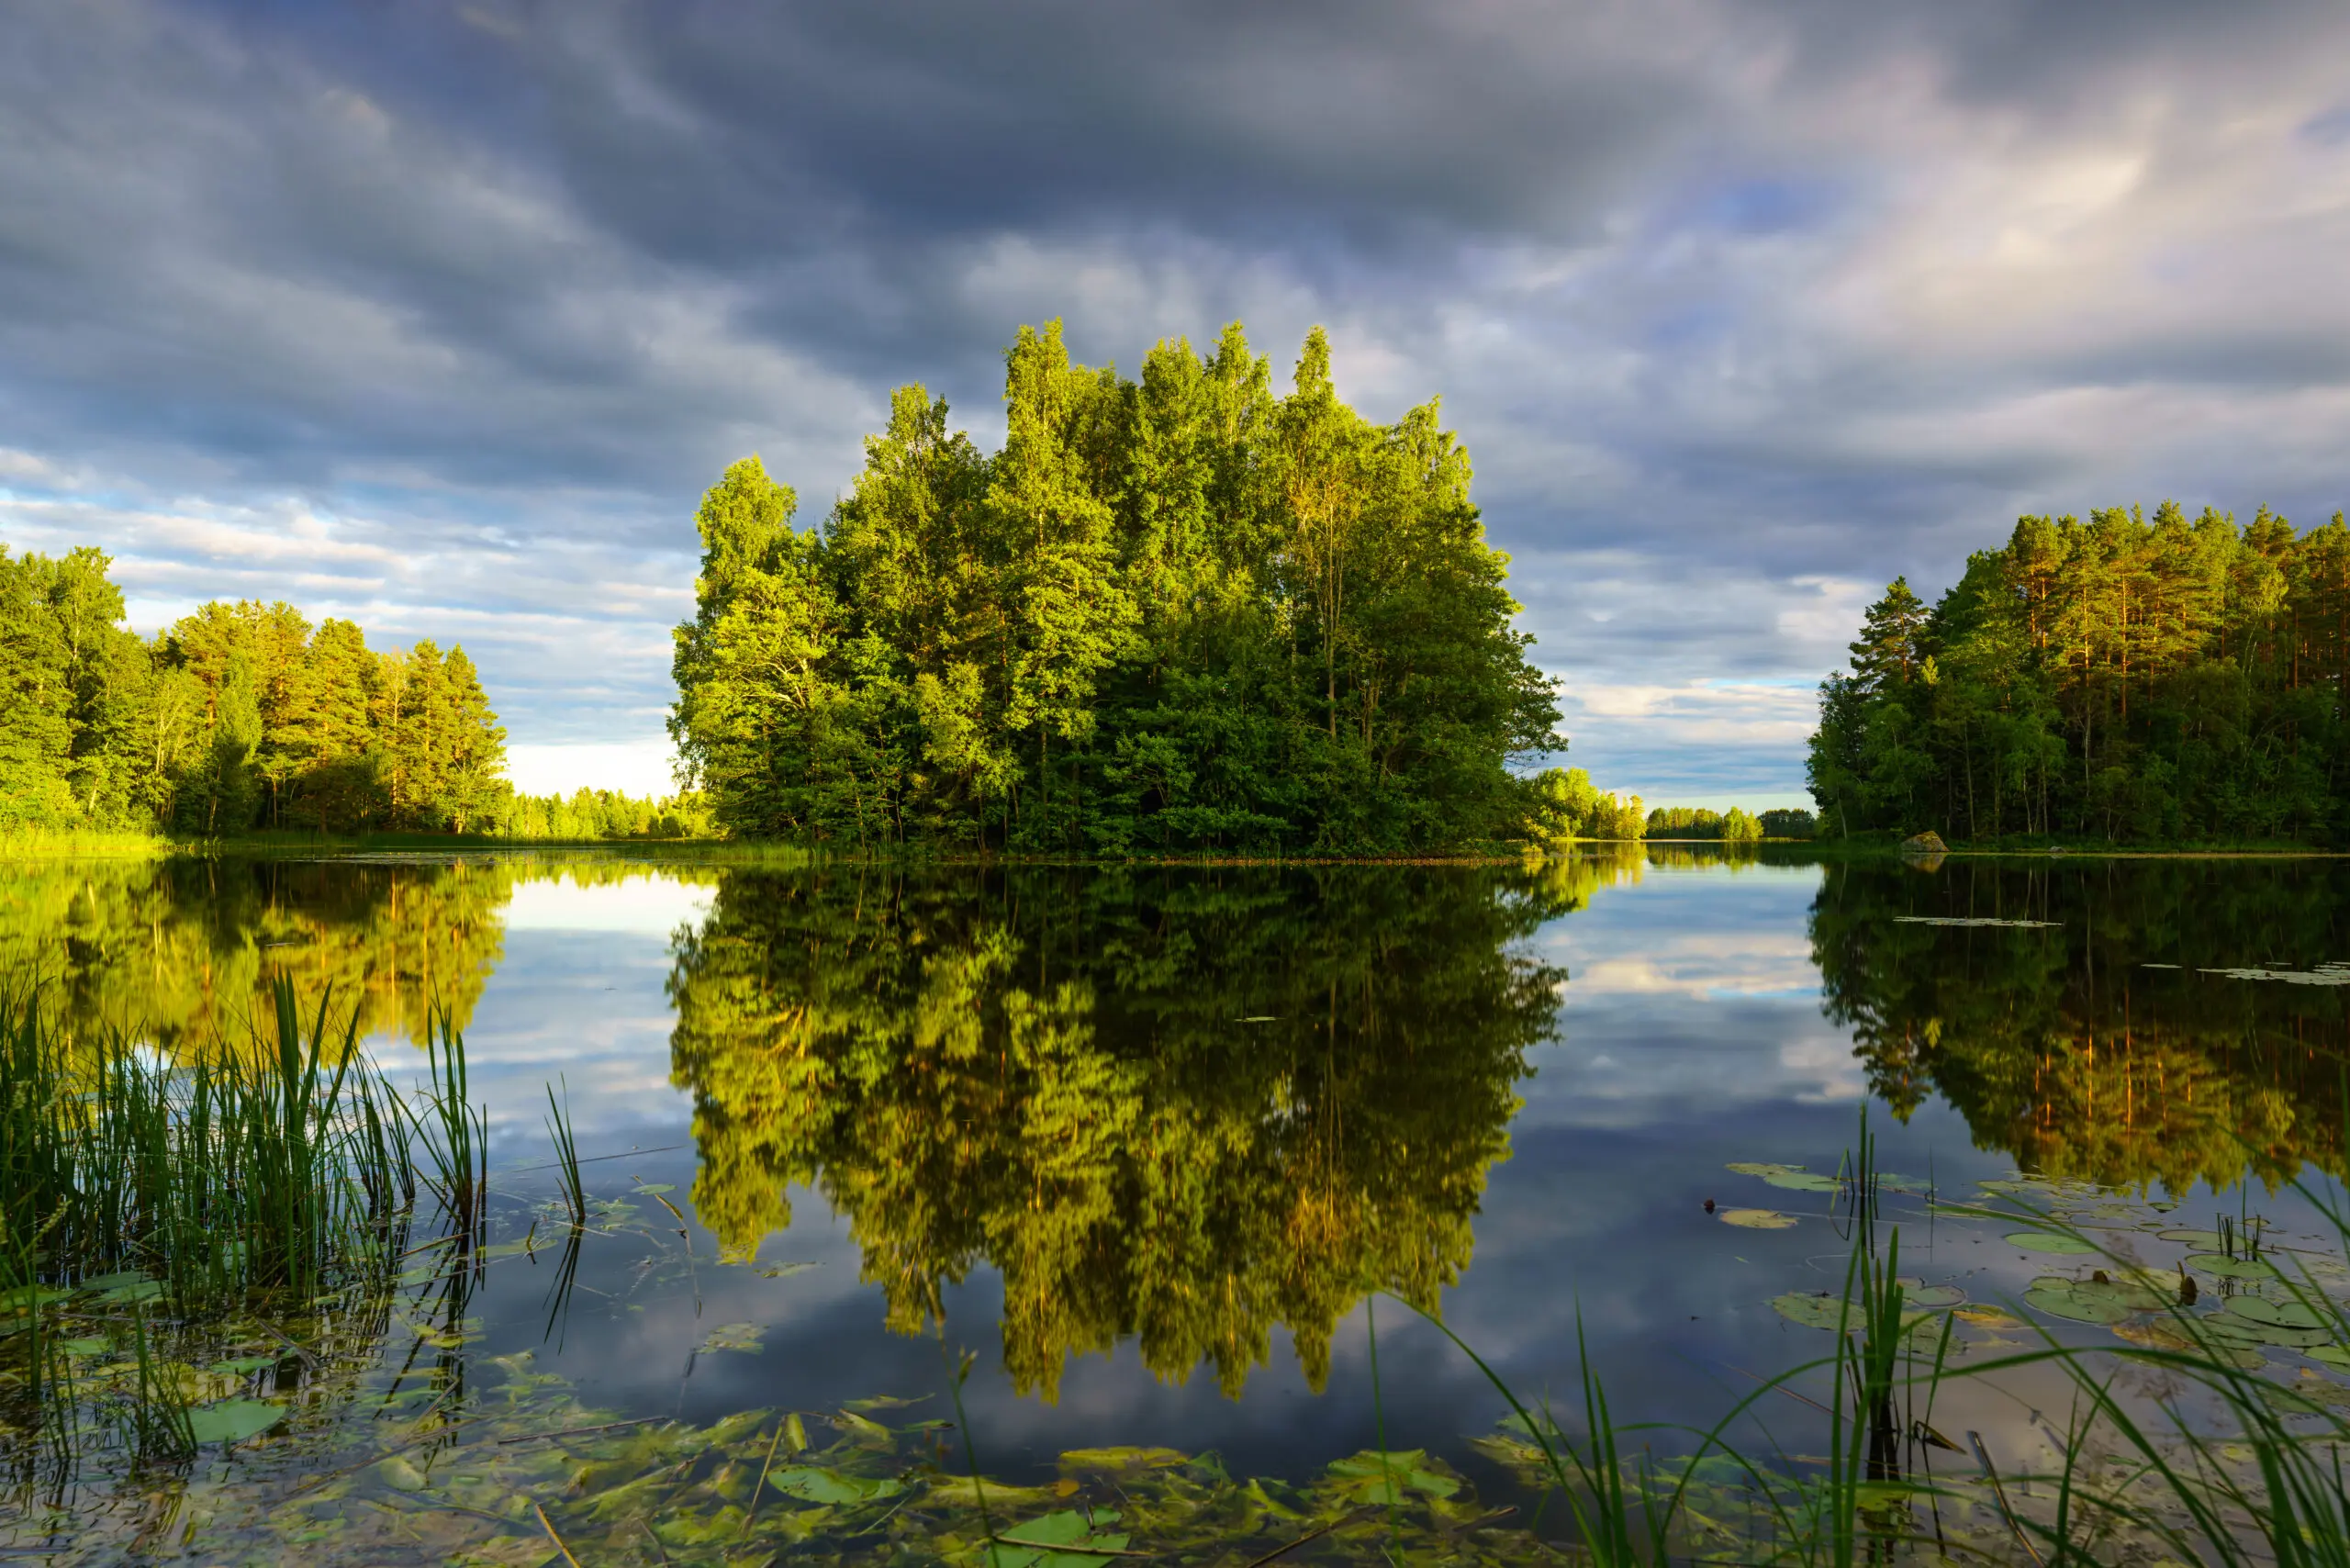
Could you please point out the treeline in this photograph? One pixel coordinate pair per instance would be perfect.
(1736, 825)
(1171, 612)
(2127, 679)
(587, 813)
(1566, 805)
(239, 716)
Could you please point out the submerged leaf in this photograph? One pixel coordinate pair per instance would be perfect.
(741, 1336)
(232, 1420)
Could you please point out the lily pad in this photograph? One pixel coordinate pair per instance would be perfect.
(2091, 1300)
(2050, 1241)
(1932, 1298)
(2201, 1240)
(1802, 1180)
(1757, 1168)
(1385, 1478)
(1757, 1219)
(233, 1420)
(819, 1484)
(731, 1337)
(1814, 1310)
(2222, 1266)
(2337, 1356)
(2278, 1313)
(1987, 1317)
(1057, 1540)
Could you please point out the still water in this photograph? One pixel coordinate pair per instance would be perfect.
(1144, 1139)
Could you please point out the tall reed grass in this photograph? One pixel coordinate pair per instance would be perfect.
(282, 1165)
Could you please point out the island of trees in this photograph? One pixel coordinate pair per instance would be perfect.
(1172, 613)
(2128, 679)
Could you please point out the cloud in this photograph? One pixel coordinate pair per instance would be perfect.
(442, 315)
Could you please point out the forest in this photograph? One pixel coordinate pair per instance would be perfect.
(1178, 612)
(239, 716)
(2128, 679)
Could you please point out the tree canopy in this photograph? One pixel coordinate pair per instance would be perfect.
(1171, 612)
(239, 716)
(2127, 679)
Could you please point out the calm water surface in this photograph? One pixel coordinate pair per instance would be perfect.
(1143, 1139)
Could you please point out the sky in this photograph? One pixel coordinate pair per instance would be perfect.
(441, 317)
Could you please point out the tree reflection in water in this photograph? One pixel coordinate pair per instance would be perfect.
(1183, 1106)
(2095, 1046)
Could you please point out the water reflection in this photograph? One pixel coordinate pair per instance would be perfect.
(1179, 1106)
(184, 951)
(2093, 1043)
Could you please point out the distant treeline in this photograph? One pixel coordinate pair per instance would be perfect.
(1736, 825)
(2125, 678)
(240, 716)
(1174, 612)
(600, 813)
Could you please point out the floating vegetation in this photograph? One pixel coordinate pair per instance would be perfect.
(1973, 920)
(1758, 1219)
(2334, 973)
(2048, 1241)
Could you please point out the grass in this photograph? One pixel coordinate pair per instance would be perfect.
(256, 1179)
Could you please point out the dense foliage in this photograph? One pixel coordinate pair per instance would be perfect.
(1172, 612)
(2105, 1041)
(1566, 805)
(2124, 679)
(1190, 1107)
(240, 716)
(587, 813)
(1736, 825)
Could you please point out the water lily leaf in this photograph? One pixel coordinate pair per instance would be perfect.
(1121, 1458)
(1758, 1168)
(1815, 1311)
(1053, 1530)
(2332, 1355)
(2079, 1309)
(821, 1484)
(2162, 1334)
(1933, 1298)
(233, 1420)
(114, 1282)
(85, 1347)
(1802, 1180)
(2224, 1267)
(2201, 1240)
(2278, 1313)
(1757, 1219)
(1987, 1317)
(731, 1337)
(24, 1296)
(2048, 1241)
(870, 1434)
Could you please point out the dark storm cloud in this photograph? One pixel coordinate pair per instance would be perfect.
(447, 311)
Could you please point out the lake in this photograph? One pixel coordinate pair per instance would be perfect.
(1142, 1141)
